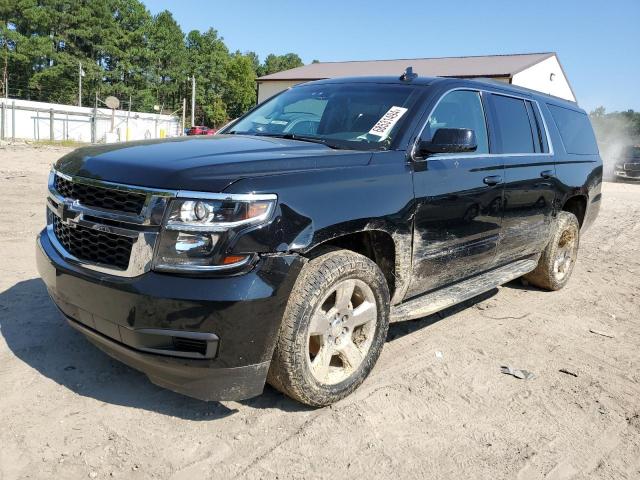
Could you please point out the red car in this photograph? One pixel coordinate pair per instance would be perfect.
(201, 130)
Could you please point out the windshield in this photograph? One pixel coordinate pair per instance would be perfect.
(358, 115)
(633, 152)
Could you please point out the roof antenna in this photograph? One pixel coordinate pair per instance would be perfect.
(408, 75)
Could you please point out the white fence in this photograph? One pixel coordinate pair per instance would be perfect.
(23, 119)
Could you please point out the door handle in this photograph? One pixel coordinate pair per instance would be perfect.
(547, 174)
(492, 180)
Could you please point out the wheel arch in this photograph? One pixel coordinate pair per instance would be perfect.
(386, 250)
(576, 204)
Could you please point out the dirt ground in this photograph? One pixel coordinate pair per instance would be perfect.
(435, 406)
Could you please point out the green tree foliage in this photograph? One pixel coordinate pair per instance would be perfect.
(240, 88)
(255, 62)
(208, 59)
(77, 30)
(128, 53)
(615, 126)
(168, 58)
(277, 63)
(128, 57)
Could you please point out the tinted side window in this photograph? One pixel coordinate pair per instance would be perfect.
(512, 124)
(575, 130)
(539, 129)
(459, 109)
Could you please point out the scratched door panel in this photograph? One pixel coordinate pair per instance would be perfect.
(528, 206)
(458, 220)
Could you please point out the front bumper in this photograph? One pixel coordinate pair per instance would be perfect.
(136, 320)
(627, 174)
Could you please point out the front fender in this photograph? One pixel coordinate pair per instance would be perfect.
(317, 206)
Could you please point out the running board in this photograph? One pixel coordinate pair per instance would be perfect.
(440, 299)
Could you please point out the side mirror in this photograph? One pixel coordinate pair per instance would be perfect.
(450, 140)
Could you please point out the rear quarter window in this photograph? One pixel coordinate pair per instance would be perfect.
(575, 130)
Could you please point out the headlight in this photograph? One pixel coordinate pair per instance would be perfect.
(196, 229)
(216, 215)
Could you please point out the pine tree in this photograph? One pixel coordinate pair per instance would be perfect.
(126, 52)
(168, 59)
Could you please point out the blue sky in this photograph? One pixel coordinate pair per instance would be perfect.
(597, 42)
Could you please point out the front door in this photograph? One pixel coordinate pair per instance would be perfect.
(459, 200)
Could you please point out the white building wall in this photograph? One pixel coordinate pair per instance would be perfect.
(33, 122)
(539, 77)
(270, 88)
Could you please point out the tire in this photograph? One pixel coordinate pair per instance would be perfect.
(559, 257)
(314, 361)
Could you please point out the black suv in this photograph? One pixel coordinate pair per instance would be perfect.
(628, 165)
(280, 249)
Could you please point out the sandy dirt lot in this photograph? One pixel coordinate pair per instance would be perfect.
(436, 405)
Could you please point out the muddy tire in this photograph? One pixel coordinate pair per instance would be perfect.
(559, 257)
(334, 327)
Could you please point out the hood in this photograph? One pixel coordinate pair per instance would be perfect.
(208, 164)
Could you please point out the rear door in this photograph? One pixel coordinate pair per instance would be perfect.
(459, 199)
(529, 176)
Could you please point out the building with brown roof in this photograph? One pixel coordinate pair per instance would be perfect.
(537, 71)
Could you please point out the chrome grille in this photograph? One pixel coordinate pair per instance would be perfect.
(99, 197)
(632, 167)
(103, 226)
(93, 246)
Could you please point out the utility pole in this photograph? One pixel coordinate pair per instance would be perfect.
(80, 75)
(193, 100)
(184, 112)
(128, 115)
(94, 122)
(5, 75)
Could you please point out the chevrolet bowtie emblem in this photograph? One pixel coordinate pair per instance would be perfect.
(67, 215)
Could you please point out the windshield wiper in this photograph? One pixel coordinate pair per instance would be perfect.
(301, 138)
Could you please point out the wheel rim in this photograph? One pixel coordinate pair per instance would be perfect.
(566, 254)
(341, 331)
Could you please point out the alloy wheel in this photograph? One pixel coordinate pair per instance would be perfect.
(341, 331)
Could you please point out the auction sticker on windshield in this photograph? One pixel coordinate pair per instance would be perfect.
(387, 122)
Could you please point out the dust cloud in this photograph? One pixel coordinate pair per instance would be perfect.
(614, 132)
